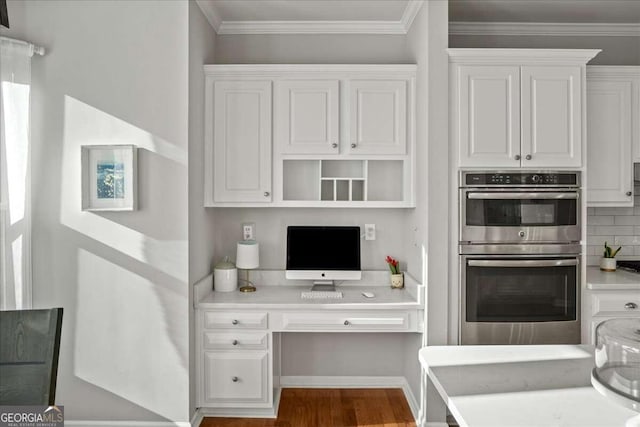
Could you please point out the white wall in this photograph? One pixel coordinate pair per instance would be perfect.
(310, 49)
(201, 50)
(615, 50)
(428, 233)
(114, 73)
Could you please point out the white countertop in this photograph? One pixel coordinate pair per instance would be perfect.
(612, 280)
(521, 386)
(274, 292)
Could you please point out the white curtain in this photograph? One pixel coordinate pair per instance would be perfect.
(15, 206)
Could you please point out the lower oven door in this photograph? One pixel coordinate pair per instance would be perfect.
(520, 300)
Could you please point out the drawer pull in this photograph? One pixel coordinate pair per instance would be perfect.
(631, 306)
(347, 323)
(234, 322)
(234, 379)
(234, 342)
(334, 145)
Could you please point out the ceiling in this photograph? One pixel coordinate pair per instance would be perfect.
(551, 11)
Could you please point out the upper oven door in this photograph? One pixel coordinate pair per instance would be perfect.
(492, 215)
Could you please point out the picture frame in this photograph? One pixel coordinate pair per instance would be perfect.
(109, 177)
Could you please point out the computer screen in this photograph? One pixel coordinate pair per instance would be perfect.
(323, 253)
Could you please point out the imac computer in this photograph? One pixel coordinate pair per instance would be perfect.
(323, 254)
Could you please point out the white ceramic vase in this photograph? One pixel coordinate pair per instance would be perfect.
(608, 264)
(397, 281)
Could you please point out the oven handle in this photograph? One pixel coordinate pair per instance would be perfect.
(522, 263)
(511, 196)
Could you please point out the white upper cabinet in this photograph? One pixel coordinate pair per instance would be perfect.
(307, 116)
(518, 107)
(378, 117)
(613, 121)
(241, 149)
(490, 128)
(551, 116)
(343, 135)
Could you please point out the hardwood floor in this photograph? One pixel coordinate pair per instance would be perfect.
(303, 407)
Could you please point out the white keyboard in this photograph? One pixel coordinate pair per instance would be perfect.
(321, 295)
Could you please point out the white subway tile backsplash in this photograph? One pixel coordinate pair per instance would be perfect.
(602, 220)
(627, 240)
(625, 220)
(599, 240)
(614, 211)
(617, 227)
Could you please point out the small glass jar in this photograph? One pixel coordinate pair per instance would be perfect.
(617, 358)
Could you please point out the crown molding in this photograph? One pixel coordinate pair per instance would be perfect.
(544, 29)
(311, 27)
(410, 13)
(523, 56)
(613, 72)
(210, 13)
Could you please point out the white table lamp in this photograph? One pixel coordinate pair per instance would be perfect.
(247, 258)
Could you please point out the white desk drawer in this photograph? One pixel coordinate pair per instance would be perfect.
(345, 321)
(623, 303)
(236, 378)
(230, 320)
(235, 340)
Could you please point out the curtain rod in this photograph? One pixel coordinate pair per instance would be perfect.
(37, 50)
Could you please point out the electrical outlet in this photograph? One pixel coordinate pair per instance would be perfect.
(248, 231)
(370, 232)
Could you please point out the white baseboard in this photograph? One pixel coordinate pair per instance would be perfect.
(239, 412)
(81, 423)
(354, 382)
(197, 418)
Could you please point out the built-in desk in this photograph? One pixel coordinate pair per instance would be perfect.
(238, 334)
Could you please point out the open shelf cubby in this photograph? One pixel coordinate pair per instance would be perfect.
(343, 180)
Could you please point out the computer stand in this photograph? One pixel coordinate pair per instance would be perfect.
(323, 286)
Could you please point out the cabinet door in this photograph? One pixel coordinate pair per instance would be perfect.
(378, 114)
(488, 115)
(236, 379)
(242, 141)
(610, 178)
(307, 116)
(551, 116)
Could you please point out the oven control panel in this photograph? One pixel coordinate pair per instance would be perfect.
(506, 179)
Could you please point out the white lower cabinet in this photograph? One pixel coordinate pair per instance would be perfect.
(604, 305)
(236, 379)
(235, 359)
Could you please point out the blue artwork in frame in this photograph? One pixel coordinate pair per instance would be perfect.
(110, 180)
(109, 177)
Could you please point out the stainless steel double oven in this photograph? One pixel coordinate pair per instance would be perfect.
(520, 257)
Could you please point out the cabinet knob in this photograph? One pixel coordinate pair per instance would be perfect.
(266, 194)
(353, 145)
(631, 306)
(629, 193)
(334, 145)
(346, 322)
(234, 342)
(234, 379)
(517, 157)
(521, 233)
(528, 157)
(234, 322)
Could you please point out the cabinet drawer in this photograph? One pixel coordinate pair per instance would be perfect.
(236, 377)
(615, 303)
(224, 320)
(345, 321)
(235, 341)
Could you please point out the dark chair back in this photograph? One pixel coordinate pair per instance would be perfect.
(29, 348)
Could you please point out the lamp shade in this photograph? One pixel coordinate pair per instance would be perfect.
(248, 254)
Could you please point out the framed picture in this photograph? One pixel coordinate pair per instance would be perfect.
(109, 177)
